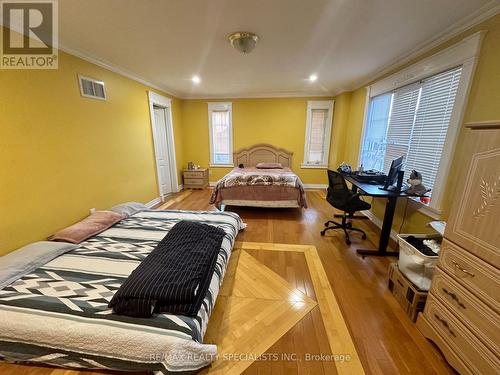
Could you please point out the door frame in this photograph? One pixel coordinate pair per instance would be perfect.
(157, 100)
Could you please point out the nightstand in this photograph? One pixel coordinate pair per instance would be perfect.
(195, 178)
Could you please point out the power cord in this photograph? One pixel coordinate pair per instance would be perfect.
(404, 216)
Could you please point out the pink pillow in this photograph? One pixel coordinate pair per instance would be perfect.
(88, 227)
(269, 166)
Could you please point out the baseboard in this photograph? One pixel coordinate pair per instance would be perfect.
(212, 183)
(378, 223)
(153, 203)
(315, 186)
(180, 187)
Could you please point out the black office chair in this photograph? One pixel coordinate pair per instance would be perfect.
(341, 197)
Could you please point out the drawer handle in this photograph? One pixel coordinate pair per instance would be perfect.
(458, 267)
(454, 297)
(445, 324)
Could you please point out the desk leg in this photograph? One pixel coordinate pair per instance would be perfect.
(385, 233)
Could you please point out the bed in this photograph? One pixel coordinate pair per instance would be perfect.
(58, 313)
(257, 187)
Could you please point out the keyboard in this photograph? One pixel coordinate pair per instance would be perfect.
(370, 176)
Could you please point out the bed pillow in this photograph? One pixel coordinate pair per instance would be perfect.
(88, 227)
(269, 166)
(24, 260)
(128, 209)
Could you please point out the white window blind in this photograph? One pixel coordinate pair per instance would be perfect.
(318, 130)
(317, 136)
(416, 119)
(402, 116)
(220, 124)
(431, 124)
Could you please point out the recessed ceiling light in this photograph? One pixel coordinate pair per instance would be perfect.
(196, 79)
(313, 77)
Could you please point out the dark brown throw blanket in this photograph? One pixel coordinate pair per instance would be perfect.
(175, 276)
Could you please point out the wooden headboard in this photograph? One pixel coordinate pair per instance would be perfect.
(262, 153)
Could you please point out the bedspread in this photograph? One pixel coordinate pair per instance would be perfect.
(58, 314)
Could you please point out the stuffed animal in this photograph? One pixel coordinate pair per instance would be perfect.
(416, 186)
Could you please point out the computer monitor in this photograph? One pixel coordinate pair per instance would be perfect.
(392, 176)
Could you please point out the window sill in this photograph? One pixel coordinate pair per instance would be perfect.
(313, 166)
(425, 209)
(221, 165)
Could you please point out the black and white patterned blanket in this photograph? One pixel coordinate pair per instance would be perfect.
(59, 315)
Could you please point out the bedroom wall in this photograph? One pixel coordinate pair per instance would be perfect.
(277, 121)
(482, 105)
(61, 154)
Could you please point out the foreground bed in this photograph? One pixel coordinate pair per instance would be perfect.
(254, 185)
(58, 313)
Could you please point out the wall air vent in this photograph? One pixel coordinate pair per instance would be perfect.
(92, 88)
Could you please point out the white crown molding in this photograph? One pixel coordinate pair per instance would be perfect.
(455, 55)
(482, 14)
(292, 94)
(116, 69)
(488, 10)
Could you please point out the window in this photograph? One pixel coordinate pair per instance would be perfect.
(412, 121)
(318, 131)
(221, 134)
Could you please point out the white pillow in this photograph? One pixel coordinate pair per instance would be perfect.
(26, 259)
(128, 209)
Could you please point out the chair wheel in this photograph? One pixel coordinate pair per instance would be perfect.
(363, 236)
(347, 241)
(322, 232)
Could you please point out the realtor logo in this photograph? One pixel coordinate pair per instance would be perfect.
(29, 35)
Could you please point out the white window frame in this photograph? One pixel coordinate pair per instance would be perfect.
(311, 105)
(221, 106)
(465, 53)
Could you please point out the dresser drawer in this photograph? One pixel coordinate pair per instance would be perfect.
(466, 346)
(194, 174)
(194, 182)
(482, 320)
(473, 273)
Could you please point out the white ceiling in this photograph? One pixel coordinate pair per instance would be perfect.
(345, 42)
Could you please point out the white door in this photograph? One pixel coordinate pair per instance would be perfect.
(161, 150)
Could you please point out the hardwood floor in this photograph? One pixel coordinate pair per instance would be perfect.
(386, 340)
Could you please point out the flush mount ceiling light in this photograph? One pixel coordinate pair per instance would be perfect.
(243, 41)
(196, 79)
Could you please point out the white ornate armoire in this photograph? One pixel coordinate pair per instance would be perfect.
(461, 315)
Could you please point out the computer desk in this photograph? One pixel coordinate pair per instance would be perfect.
(390, 207)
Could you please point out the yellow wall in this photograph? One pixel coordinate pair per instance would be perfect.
(483, 104)
(278, 121)
(61, 154)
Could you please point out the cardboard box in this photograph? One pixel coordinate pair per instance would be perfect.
(411, 299)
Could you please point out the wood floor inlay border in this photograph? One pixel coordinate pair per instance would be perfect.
(338, 334)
